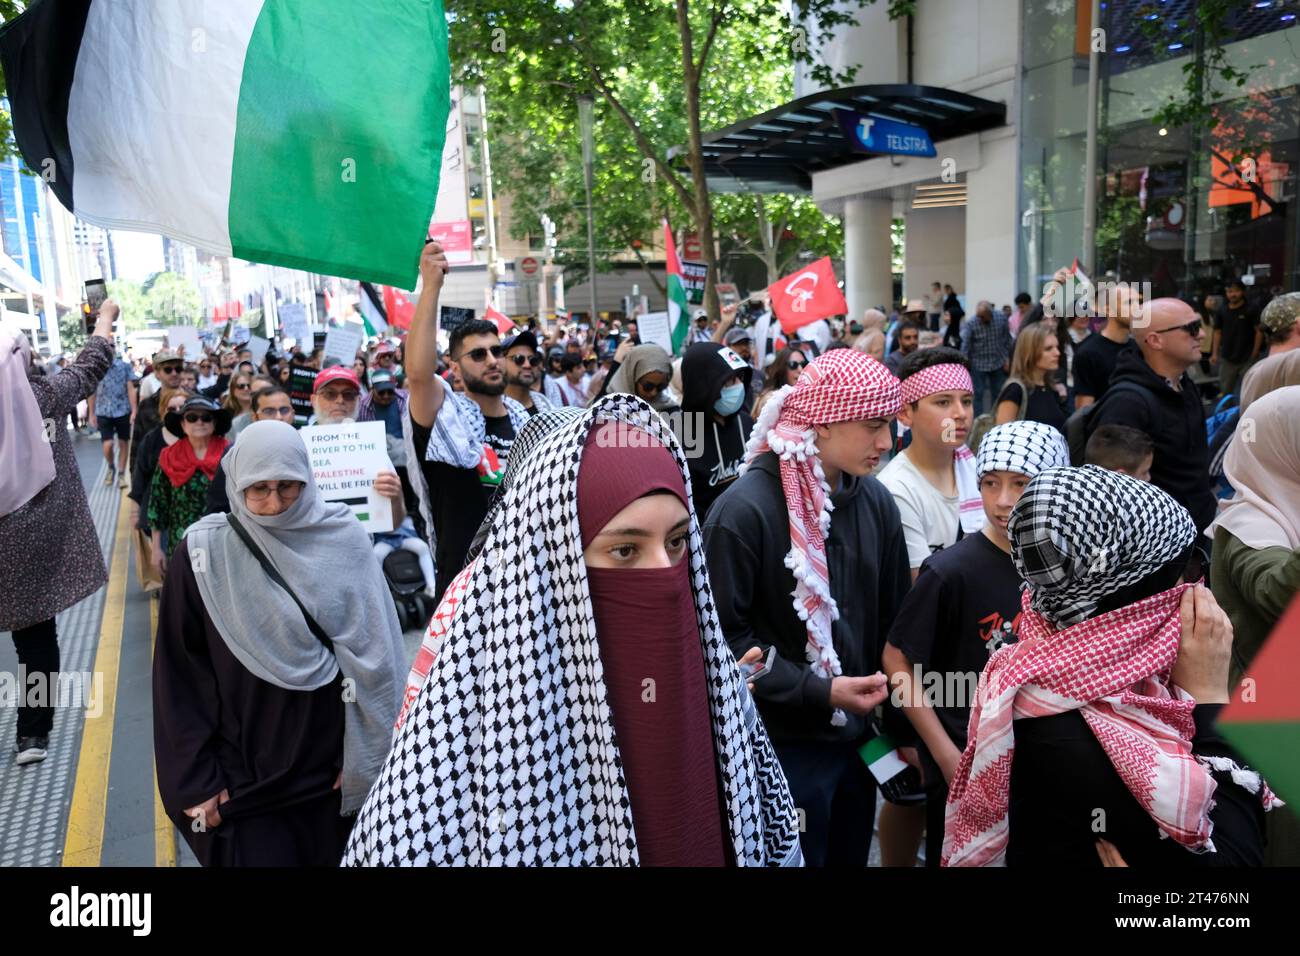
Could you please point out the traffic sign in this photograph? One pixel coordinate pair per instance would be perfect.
(527, 268)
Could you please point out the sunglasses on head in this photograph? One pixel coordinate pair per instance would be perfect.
(192, 417)
(481, 354)
(522, 360)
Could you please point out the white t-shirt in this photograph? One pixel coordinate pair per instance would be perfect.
(930, 518)
(148, 385)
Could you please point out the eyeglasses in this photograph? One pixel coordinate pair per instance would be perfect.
(169, 369)
(795, 365)
(242, 386)
(522, 360)
(651, 387)
(205, 417)
(332, 396)
(481, 354)
(284, 490)
(282, 411)
(1191, 328)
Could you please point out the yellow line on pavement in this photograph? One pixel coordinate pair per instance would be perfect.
(85, 836)
(164, 834)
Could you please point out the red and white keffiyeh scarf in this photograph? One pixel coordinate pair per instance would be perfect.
(842, 385)
(1114, 669)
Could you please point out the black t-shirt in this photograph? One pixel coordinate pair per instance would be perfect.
(964, 605)
(714, 454)
(1044, 404)
(459, 497)
(1094, 363)
(1237, 332)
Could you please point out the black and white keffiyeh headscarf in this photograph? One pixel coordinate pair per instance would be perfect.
(508, 756)
(1079, 535)
(1025, 447)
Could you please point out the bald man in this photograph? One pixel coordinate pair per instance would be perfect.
(1150, 390)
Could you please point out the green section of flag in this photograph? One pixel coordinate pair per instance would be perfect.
(338, 143)
(1270, 747)
(679, 315)
(875, 748)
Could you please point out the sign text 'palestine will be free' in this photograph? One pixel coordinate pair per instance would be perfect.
(344, 462)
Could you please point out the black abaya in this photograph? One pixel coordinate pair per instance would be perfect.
(217, 726)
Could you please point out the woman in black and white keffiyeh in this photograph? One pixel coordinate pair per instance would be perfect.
(522, 747)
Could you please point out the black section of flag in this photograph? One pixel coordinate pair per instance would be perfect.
(39, 53)
(376, 299)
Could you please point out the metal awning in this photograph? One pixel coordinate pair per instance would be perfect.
(778, 151)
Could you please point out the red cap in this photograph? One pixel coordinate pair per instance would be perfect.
(385, 348)
(335, 373)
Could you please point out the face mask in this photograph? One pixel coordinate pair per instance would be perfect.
(730, 400)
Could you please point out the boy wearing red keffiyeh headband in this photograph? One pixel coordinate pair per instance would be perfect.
(806, 554)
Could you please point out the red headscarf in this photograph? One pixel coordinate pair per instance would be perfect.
(179, 462)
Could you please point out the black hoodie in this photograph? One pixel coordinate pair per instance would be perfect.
(746, 540)
(714, 449)
(1175, 422)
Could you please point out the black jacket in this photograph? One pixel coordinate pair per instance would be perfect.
(1062, 783)
(1174, 420)
(746, 540)
(147, 418)
(714, 449)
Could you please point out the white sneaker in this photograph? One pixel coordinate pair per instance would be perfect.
(30, 750)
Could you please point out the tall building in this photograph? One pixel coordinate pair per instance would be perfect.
(983, 110)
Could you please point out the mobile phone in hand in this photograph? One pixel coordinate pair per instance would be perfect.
(96, 291)
(760, 668)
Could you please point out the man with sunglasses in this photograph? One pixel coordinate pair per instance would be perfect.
(1152, 392)
(462, 440)
(167, 366)
(523, 369)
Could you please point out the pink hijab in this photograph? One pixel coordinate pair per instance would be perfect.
(26, 452)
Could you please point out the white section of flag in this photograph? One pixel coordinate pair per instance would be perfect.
(154, 150)
(887, 766)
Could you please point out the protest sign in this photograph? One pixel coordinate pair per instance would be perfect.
(293, 322)
(694, 275)
(451, 317)
(653, 329)
(188, 336)
(258, 346)
(342, 343)
(301, 381)
(344, 462)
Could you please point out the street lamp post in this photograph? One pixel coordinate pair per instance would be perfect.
(585, 106)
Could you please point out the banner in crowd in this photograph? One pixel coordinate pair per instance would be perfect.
(270, 130)
(810, 294)
(694, 275)
(344, 462)
(653, 328)
(293, 322)
(301, 381)
(187, 336)
(342, 344)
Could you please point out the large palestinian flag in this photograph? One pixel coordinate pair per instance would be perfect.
(305, 133)
(1263, 720)
(679, 315)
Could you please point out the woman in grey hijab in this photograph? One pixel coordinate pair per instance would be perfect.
(646, 373)
(270, 726)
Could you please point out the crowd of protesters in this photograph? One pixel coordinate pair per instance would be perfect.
(691, 610)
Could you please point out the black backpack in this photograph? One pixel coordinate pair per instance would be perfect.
(1077, 428)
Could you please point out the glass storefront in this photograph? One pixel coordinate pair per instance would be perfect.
(1182, 210)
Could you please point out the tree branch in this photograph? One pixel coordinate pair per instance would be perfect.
(719, 14)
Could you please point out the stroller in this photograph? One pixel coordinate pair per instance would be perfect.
(406, 582)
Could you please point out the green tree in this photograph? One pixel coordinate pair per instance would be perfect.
(665, 70)
(171, 299)
(130, 299)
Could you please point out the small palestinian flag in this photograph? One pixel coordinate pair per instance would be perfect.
(1263, 720)
(679, 315)
(302, 133)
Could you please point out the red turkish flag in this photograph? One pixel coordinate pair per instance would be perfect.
(399, 307)
(805, 296)
(503, 323)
